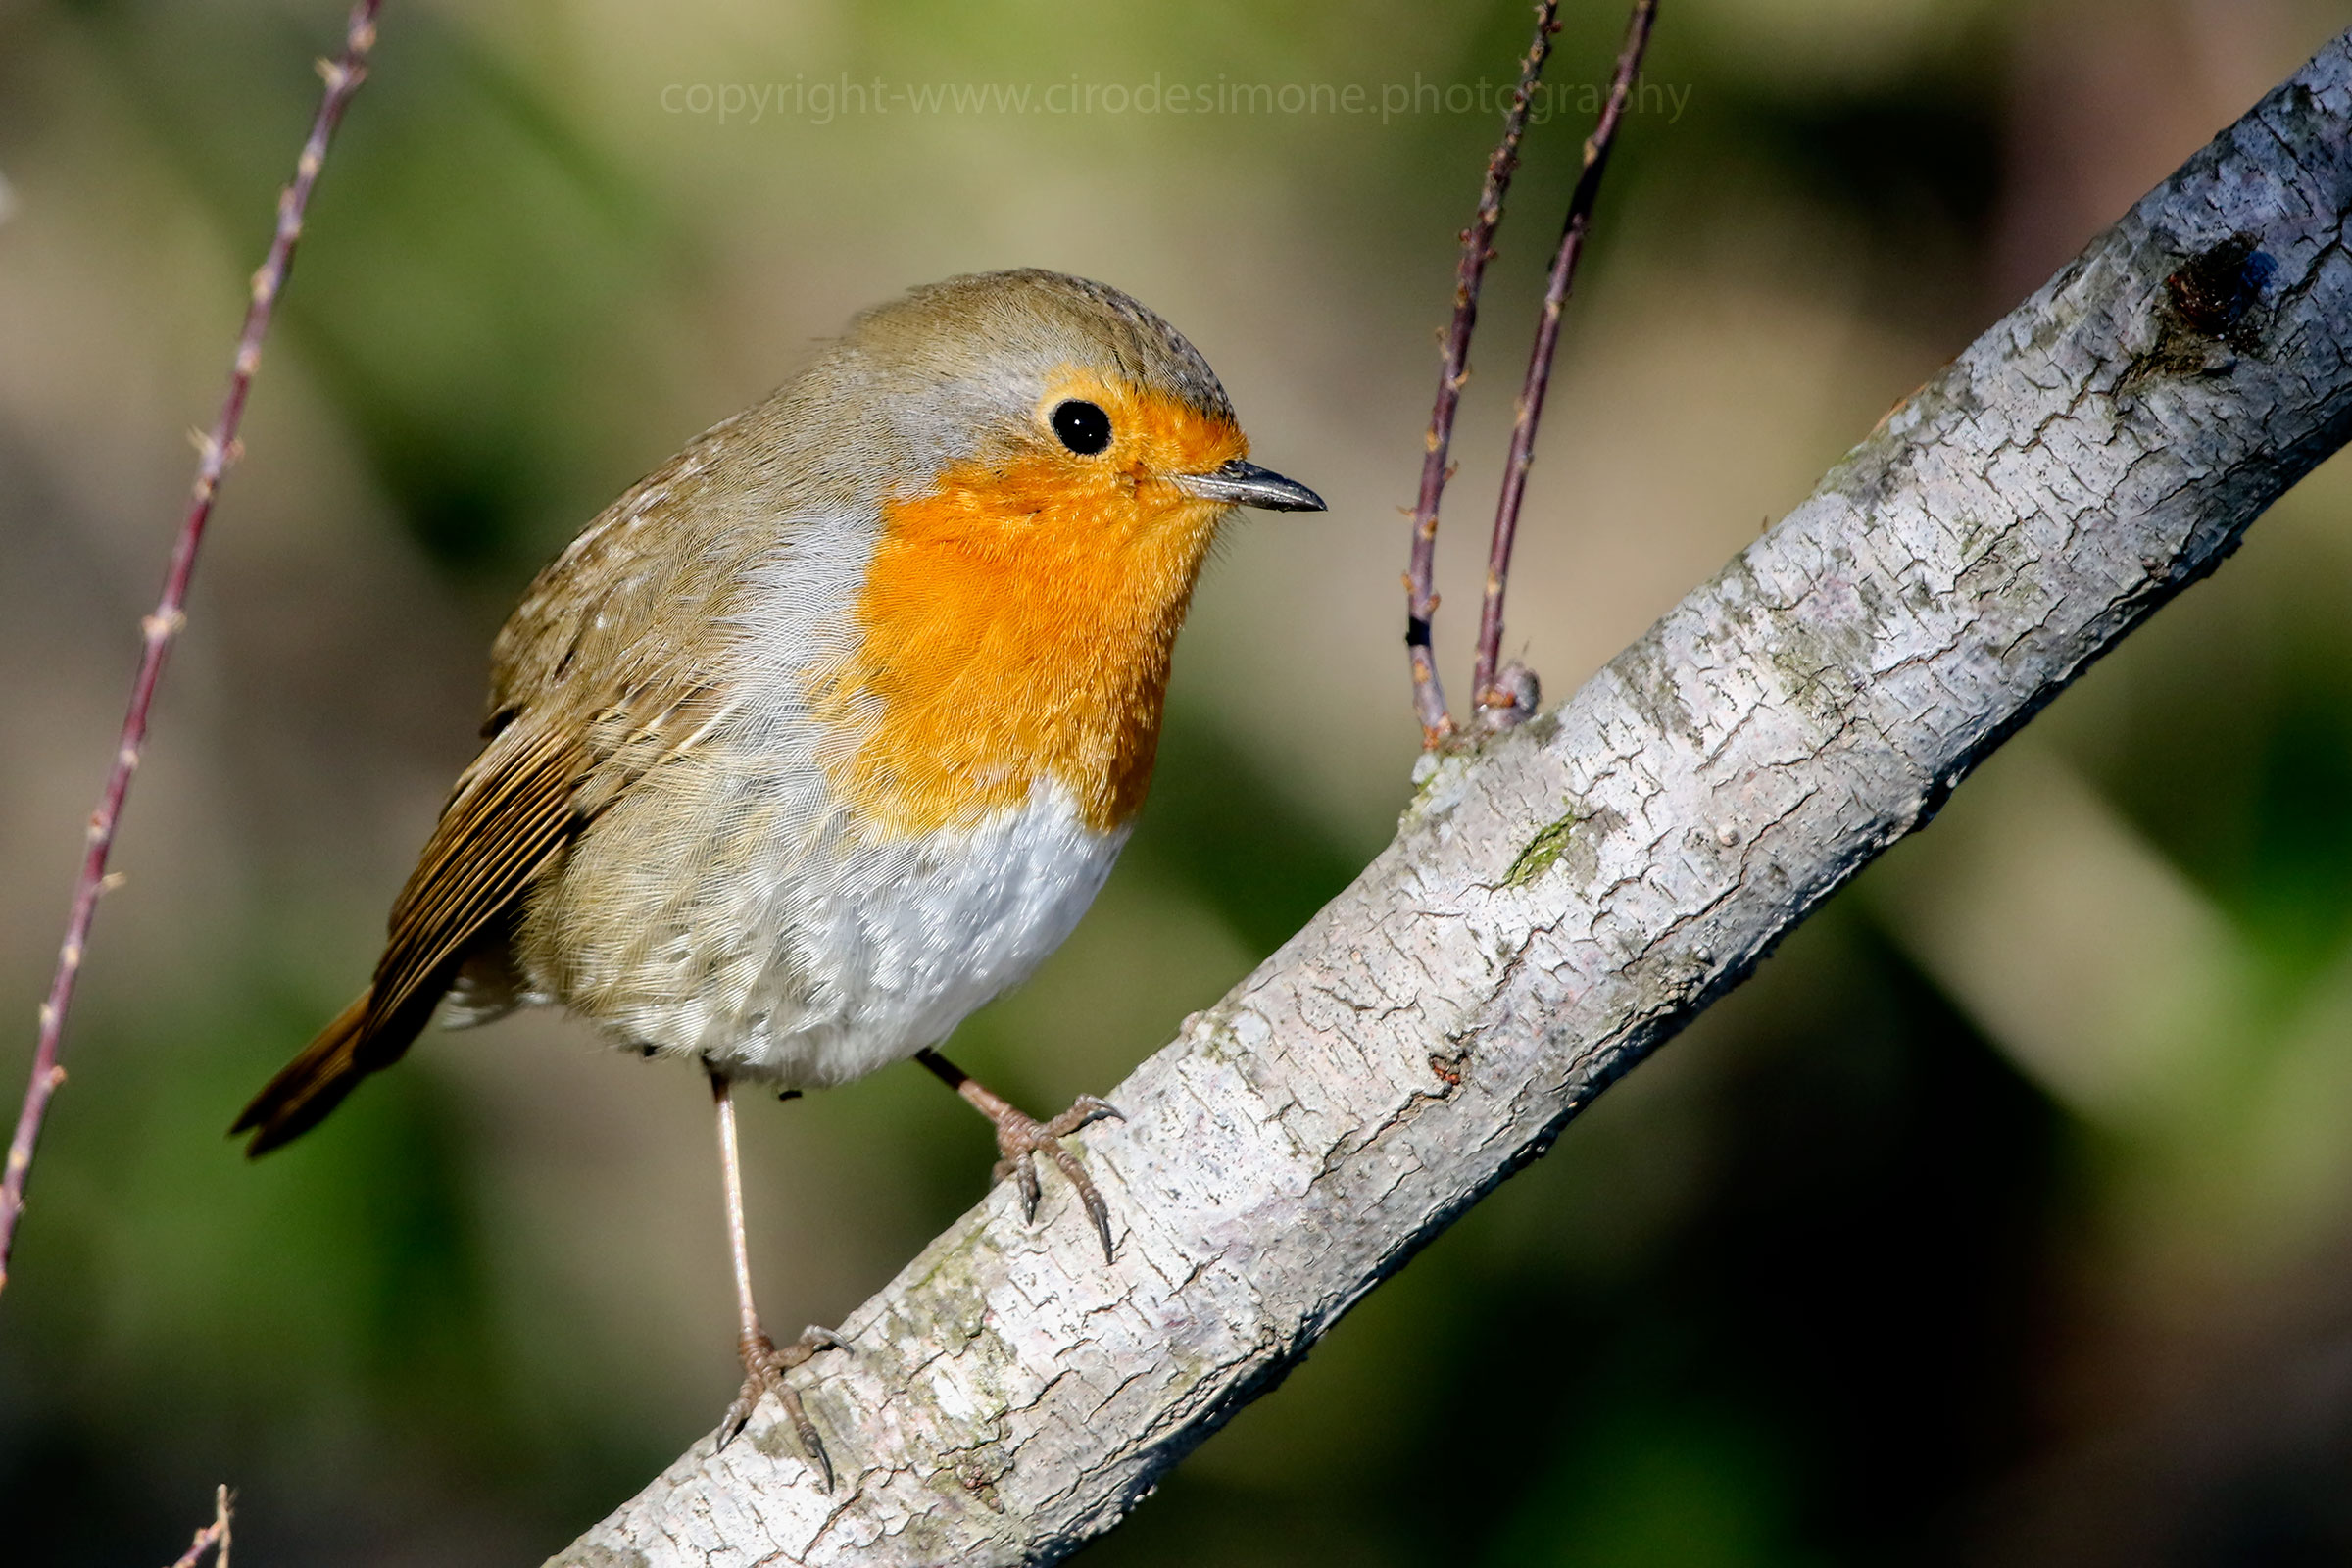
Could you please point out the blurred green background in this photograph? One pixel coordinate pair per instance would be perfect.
(2005, 1218)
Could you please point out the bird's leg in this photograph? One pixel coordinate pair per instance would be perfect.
(1021, 1136)
(763, 1364)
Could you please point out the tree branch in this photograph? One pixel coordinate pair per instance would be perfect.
(1563, 900)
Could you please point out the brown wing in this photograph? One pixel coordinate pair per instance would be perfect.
(650, 559)
(511, 814)
(588, 695)
(535, 785)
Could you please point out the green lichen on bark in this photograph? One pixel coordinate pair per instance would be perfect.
(1543, 852)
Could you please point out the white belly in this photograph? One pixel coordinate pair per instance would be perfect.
(854, 956)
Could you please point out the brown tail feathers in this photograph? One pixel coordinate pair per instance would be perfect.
(329, 1067)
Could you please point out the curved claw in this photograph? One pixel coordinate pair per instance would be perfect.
(1096, 1210)
(1021, 1138)
(763, 1369)
(1018, 1170)
(1084, 1111)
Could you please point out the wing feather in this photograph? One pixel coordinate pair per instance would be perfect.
(587, 697)
(510, 816)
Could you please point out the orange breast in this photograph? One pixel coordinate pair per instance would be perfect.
(1016, 624)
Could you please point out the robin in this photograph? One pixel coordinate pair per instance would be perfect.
(828, 730)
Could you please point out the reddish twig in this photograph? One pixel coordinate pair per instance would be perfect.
(213, 1537)
(1498, 704)
(219, 450)
(1478, 240)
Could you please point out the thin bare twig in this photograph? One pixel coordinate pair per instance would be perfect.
(219, 450)
(213, 1537)
(1478, 241)
(1495, 703)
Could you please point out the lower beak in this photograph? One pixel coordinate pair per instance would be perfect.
(1246, 484)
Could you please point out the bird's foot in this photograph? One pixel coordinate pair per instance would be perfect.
(763, 1367)
(1021, 1137)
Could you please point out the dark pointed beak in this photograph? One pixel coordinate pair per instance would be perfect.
(1246, 484)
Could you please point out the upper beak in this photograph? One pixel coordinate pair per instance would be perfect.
(1246, 484)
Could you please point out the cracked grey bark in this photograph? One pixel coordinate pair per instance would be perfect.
(1559, 903)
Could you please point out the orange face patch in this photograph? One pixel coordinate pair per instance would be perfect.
(1018, 620)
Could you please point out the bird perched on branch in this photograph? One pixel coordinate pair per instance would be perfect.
(828, 730)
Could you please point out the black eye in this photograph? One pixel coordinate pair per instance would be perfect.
(1083, 428)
